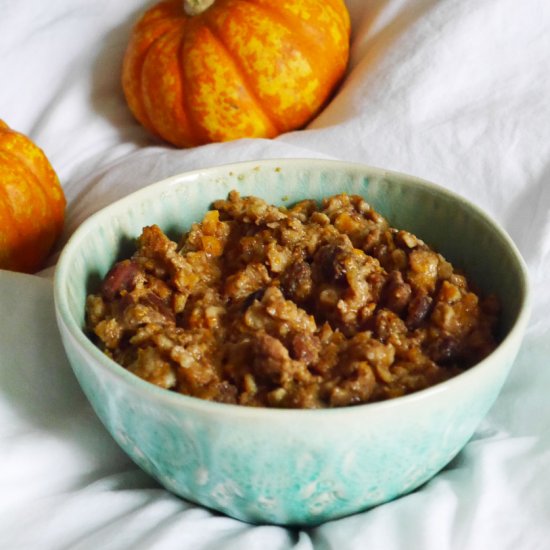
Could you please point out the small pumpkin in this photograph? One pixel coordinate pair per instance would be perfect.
(32, 203)
(216, 70)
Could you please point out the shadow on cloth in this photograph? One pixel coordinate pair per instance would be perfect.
(37, 386)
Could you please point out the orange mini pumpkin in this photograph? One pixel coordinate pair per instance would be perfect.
(32, 203)
(217, 70)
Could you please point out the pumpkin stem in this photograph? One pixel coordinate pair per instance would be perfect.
(195, 7)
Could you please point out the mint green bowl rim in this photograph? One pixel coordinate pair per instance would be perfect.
(113, 369)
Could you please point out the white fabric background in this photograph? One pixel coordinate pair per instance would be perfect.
(455, 91)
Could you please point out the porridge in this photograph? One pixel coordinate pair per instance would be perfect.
(312, 306)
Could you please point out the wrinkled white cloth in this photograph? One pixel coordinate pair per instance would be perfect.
(454, 91)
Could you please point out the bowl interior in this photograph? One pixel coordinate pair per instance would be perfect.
(450, 224)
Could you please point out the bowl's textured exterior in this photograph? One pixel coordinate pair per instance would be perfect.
(287, 466)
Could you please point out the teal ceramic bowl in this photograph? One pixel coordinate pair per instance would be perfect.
(281, 466)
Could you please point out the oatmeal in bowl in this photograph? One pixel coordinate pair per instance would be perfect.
(291, 341)
(319, 304)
